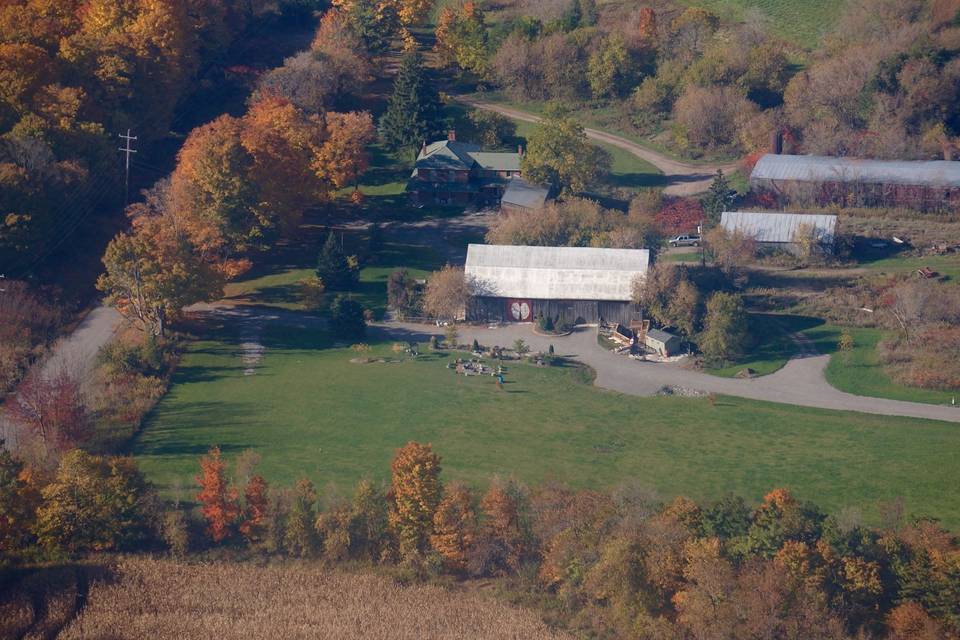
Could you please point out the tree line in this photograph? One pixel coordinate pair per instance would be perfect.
(605, 563)
(883, 84)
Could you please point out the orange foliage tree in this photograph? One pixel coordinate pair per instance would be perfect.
(455, 526)
(256, 503)
(414, 495)
(218, 501)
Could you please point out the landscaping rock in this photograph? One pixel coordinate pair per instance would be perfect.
(746, 373)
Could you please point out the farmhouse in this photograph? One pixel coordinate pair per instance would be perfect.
(521, 196)
(854, 182)
(785, 231)
(576, 285)
(449, 172)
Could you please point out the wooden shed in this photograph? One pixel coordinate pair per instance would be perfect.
(576, 285)
(664, 343)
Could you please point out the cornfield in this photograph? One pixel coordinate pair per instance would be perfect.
(158, 599)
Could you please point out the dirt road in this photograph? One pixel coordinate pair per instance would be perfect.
(683, 179)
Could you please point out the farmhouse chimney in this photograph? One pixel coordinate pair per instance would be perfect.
(776, 142)
(452, 135)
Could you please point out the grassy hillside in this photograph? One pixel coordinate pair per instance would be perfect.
(803, 21)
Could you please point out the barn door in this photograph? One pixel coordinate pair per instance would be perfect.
(519, 310)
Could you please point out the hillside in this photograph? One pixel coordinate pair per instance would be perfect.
(801, 22)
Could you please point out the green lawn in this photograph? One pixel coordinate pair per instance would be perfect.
(948, 265)
(803, 22)
(310, 411)
(774, 345)
(861, 373)
(282, 289)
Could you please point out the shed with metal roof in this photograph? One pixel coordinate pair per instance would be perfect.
(782, 230)
(521, 196)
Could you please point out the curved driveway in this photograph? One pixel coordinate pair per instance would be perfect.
(683, 178)
(800, 382)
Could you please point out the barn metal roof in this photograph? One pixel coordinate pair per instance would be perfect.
(778, 227)
(521, 193)
(554, 273)
(660, 336)
(932, 173)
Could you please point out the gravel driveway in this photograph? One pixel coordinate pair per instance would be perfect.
(800, 382)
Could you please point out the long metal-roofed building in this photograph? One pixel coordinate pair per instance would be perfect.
(782, 230)
(924, 184)
(576, 285)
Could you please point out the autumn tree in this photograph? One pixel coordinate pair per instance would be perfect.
(446, 293)
(461, 38)
(54, 408)
(368, 522)
(669, 296)
(96, 503)
(218, 501)
(18, 504)
(152, 273)
(256, 504)
(558, 153)
(300, 537)
(414, 495)
(731, 250)
(455, 526)
(724, 336)
(502, 541)
(607, 68)
(343, 156)
(708, 118)
(413, 109)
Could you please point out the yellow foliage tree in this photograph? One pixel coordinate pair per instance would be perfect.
(414, 495)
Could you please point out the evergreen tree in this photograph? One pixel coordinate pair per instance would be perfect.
(333, 268)
(346, 318)
(573, 16)
(413, 111)
(718, 198)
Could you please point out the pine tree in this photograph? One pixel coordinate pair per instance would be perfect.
(333, 268)
(413, 111)
(718, 198)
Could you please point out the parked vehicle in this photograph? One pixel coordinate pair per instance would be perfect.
(687, 240)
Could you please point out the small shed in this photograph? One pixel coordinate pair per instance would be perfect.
(781, 230)
(579, 285)
(664, 343)
(521, 196)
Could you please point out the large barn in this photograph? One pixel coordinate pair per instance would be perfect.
(852, 182)
(578, 285)
(782, 230)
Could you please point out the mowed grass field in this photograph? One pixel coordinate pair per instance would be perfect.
(310, 412)
(801, 21)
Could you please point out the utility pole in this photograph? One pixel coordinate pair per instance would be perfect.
(127, 150)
